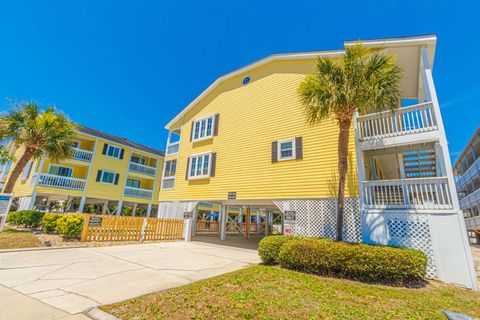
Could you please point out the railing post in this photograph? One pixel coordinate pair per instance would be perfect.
(360, 162)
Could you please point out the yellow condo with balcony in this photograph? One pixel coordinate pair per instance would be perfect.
(104, 174)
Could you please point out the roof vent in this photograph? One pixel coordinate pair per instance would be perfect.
(246, 80)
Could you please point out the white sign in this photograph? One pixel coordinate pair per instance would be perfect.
(5, 204)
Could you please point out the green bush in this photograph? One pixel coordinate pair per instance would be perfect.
(371, 263)
(49, 222)
(70, 225)
(269, 247)
(28, 218)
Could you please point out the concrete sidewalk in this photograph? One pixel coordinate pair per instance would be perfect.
(75, 280)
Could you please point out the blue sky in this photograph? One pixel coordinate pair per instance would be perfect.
(127, 67)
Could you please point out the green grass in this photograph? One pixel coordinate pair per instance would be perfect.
(263, 292)
(13, 239)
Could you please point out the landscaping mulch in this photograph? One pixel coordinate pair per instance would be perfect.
(265, 292)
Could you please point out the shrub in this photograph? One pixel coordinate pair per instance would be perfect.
(49, 222)
(70, 225)
(269, 247)
(28, 218)
(371, 263)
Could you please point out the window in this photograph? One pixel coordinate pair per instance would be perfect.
(60, 171)
(286, 149)
(203, 129)
(26, 170)
(107, 177)
(199, 166)
(170, 168)
(132, 183)
(113, 151)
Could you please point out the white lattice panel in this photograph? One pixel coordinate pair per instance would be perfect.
(317, 217)
(175, 209)
(412, 231)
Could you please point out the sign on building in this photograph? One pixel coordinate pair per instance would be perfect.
(232, 195)
(5, 204)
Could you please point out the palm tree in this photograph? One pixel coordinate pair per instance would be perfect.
(364, 80)
(48, 133)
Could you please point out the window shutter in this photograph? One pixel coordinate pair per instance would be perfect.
(186, 172)
(274, 151)
(99, 175)
(213, 164)
(215, 128)
(105, 146)
(116, 178)
(298, 148)
(191, 131)
(122, 151)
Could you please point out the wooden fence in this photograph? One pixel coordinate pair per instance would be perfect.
(120, 228)
(207, 227)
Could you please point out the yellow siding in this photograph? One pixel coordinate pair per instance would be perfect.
(251, 117)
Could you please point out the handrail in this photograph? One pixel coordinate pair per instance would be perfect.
(141, 168)
(138, 192)
(50, 180)
(389, 112)
(81, 154)
(412, 193)
(469, 174)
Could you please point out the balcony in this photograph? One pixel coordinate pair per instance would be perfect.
(138, 192)
(172, 148)
(82, 155)
(49, 180)
(403, 122)
(472, 223)
(470, 199)
(471, 172)
(141, 168)
(407, 194)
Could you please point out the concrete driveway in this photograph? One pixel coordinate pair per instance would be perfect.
(77, 279)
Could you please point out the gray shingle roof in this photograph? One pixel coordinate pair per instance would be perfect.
(124, 141)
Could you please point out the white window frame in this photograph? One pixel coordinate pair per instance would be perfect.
(60, 166)
(199, 123)
(173, 177)
(108, 171)
(115, 147)
(201, 176)
(279, 149)
(126, 182)
(78, 142)
(27, 170)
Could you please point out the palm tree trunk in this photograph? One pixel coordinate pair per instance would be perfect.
(17, 171)
(343, 137)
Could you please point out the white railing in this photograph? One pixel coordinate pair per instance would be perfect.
(472, 223)
(141, 168)
(138, 192)
(470, 199)
(417, 194)
(168, 183)
(50, 180)
(172, 148)
(408, 120)
(471, 172)
(82, 155)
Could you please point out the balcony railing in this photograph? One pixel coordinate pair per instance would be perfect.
(470, 199)
(82, 155)
(416, 194)
(172, 148)
(138, 192)
(471, 172)
(473, 223)
(403, 121)
(50, 180)
(141, 168)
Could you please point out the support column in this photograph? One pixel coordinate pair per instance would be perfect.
(267, 222)
(223, 220)
(194, 220)
(258, 221)
(149, 209)
(33, 198)
(105, 207)
(119, 207)
(247, 223)
(81, 206)
(134, 209)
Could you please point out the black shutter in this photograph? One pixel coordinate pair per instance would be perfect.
(213, 164)
(116, 178)
(215, 128)
(186, 172)
(191, 131)
(298, 148)
(274, 151)
(105, 146)
(122, 151)
(99, 175)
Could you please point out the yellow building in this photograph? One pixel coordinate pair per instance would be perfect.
(104, 173)
(244, 143)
